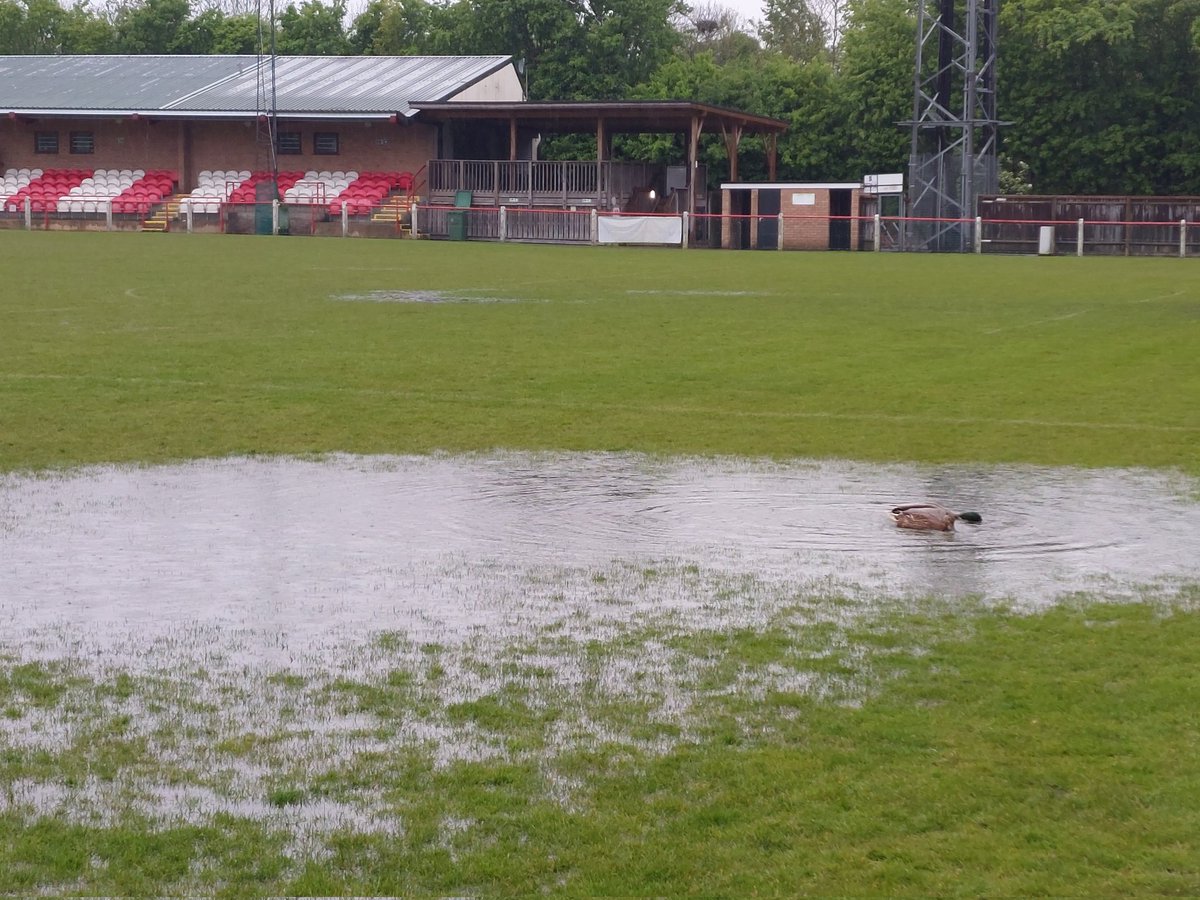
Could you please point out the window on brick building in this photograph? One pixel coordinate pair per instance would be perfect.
(325, 143)
(83, 142)
(45, 142)
(287, 143)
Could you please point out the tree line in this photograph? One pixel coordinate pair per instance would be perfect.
(1103, 96)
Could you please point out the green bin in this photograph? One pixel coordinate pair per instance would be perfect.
(456, 219)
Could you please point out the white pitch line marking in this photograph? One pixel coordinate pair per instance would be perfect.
(1037, 322)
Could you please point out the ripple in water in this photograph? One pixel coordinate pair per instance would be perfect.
(442, 546)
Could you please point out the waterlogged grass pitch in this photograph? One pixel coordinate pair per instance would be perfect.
(915, 744)
(143, 349)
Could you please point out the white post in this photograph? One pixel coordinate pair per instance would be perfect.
(878, 232)
(274, 217)
(684, 243)
(595, 227)
(28, 213)
(108, 219)
(1079, 238)
(779, 238)
(503, 223)
(345, 219)
(979, 234)
(1182, 238)
(413, 229)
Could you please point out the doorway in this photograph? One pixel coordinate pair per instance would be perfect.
(840, 204)
(768, 219)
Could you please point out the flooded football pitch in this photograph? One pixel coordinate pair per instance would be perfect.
(257, 596)
(304, 552)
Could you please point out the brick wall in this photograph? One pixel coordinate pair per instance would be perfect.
(118, 144)
(813, 233)
(189, 147)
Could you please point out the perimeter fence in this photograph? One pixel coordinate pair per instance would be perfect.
(1060, 225)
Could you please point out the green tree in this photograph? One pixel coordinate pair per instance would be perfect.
(795, 29)
(717, 30)
(875, 78)
(152, 26)
(313, 29)
(408, 28)
(239, 34)
(574, 49)
(1104, 95)
(83, 30)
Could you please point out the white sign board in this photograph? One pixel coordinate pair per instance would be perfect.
(890, 183)
(804, 199)
(640, 229)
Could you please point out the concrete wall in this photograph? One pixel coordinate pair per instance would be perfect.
(189, 147)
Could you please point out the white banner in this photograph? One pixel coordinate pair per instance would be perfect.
(640, 229)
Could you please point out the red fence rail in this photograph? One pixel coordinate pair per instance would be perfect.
(1134, 236)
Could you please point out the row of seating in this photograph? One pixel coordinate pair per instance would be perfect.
(137, 190)
(86, 190)
(359, 191)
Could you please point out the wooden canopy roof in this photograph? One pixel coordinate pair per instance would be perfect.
(608, 117)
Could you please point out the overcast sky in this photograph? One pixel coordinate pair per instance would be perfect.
(751, 10)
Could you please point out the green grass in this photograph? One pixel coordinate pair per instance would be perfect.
(1051, 754)
(128, 348)
(943, 750)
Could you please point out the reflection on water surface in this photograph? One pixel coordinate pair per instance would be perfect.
(446, 545)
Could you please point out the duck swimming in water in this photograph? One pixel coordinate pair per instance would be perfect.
(930, 517)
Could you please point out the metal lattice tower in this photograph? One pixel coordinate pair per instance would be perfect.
(954, 128)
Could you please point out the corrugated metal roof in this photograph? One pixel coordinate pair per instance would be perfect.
(231, 84)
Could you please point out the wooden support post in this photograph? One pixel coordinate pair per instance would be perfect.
(512, 139)
(600, 187)
(733, 139)
(772, 155)
(693, 164)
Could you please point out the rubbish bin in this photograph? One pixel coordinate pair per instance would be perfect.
(1046, 240)
(456, 219)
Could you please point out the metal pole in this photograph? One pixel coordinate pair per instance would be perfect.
(779, 238)
(274, 217)
(685, 230)
(1079, 238)
(878, 233)
(503, 223)
(1182, 238)
(28, 214)
(979, 234)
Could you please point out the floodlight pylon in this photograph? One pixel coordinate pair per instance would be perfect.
(266, 118)
(954, 130)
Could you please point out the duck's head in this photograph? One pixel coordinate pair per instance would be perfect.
(972, 517)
